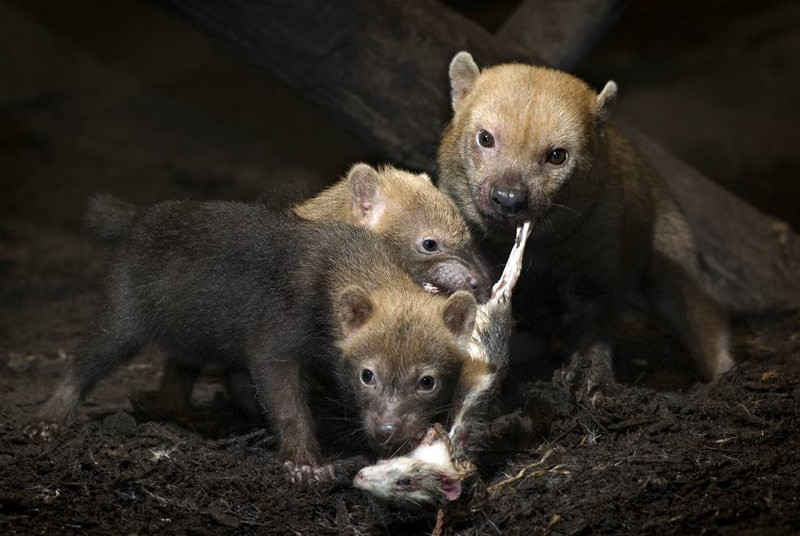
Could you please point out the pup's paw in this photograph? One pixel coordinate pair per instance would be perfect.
(308, 474)
(43, 430)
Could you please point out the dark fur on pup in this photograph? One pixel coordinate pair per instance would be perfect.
(278, 298)
(530, 143)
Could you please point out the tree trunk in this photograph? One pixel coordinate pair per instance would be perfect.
(381, 68)
(561, 33)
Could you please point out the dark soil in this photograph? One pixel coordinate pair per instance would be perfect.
(124, 99)
(719, 458)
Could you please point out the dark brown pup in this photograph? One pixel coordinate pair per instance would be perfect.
(282, 300)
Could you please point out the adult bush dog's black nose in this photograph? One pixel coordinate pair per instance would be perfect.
(508, 201)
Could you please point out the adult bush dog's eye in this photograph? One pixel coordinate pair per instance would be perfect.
(485, 139)
(367, 376)
(427, 383)
(429, 244)
(557, 157)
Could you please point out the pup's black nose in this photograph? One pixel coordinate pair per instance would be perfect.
(384, 432)
(508, 201)
(472, 283)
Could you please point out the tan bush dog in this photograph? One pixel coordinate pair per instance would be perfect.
(531, 143)
(283, 300)
(422, 224)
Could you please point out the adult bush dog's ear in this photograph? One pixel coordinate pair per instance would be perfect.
(463, 73)
(459, 315)
(606, 101)
(366, 195)
(355, 308)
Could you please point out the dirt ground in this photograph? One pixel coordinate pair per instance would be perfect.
(666, 456)
(159, 113)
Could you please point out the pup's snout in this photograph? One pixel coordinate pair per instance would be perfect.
(508, 201)
(459, 274)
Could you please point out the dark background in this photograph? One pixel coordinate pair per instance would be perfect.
(121, 97)
(118, 96)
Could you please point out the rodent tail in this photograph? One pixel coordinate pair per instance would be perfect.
(109, 219)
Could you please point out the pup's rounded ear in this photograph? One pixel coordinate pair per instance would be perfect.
(355, 309)
(459, 314)
(606, 101)
(463, 73)
(366, 196)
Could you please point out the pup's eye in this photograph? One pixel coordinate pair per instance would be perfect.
(426, 383)
(485, 139)
(367, 377)
(429, 244)
(403, 482)
(557, 157)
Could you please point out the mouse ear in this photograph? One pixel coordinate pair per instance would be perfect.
(355, 308)
(459, 314)
(463, 73)
(606, 101)
(366, 196)
(451, 487)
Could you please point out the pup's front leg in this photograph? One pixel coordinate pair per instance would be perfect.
(281, 393)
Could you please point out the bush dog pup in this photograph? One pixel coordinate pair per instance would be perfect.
(412, 216)
(531, 143)
(433, 473)
(281, 299)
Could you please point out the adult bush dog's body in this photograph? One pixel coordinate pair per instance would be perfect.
(275, 297)
(529, 143)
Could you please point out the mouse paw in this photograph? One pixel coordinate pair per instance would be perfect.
(308, 474)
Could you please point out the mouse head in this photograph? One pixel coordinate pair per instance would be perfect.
(402, 358)
(522, 142)
(422, 224)
(409, 482)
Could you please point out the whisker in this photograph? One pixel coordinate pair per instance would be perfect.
(567, 208)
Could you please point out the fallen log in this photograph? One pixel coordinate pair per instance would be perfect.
(380, 68)
(753, 259)
(561, 33)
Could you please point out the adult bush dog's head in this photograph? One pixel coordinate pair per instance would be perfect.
(403, 357)
(422, 224)
(521, 144)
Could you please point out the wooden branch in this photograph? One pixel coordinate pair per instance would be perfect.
(753, 259)
(561, 33)
(381, 68)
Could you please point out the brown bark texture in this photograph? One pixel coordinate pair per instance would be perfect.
(380, 67)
